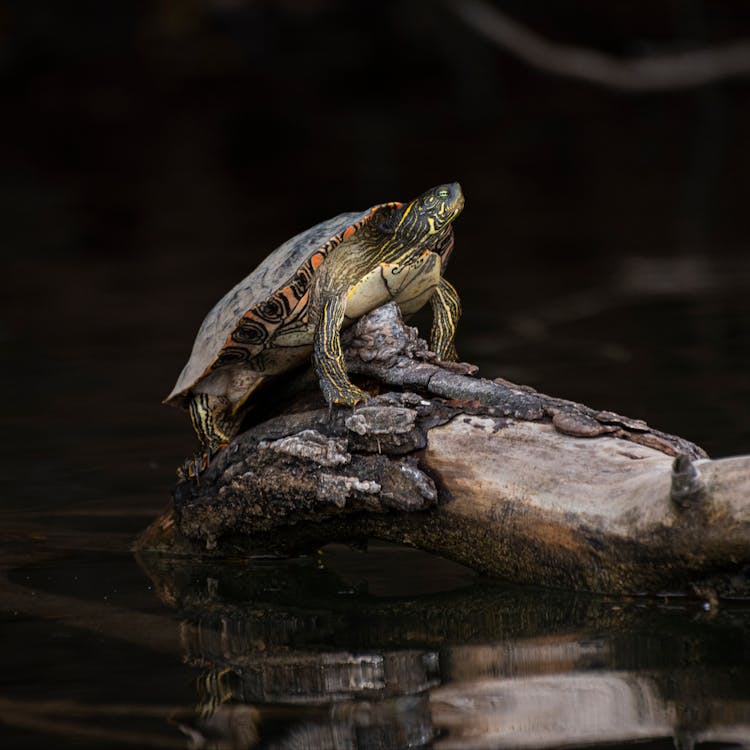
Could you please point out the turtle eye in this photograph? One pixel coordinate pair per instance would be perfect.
(443, 193)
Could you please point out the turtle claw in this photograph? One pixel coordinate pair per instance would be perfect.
(350, 396)
(194, 466)
(343, 398)
(342, 395)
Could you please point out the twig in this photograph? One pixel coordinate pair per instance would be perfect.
(658, 73)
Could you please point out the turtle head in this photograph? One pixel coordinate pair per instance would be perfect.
(430, 213)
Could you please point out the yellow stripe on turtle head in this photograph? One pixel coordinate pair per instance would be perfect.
(407, 211)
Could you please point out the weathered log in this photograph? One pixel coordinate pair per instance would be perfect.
(509, 481)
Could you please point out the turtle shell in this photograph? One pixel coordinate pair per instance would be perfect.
(242, 323)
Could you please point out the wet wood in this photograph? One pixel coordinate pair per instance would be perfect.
(512, 482)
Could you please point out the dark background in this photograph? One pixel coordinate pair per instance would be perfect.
(153, 152)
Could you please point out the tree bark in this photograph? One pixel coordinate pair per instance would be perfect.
(509, 481)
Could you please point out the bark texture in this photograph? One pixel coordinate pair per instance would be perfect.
(509, 481)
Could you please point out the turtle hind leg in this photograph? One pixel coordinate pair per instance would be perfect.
(215, 424)
(446, 310)
(213, 421)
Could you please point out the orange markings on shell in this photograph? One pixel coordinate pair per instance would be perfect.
(303, 300)
(290, 297)
(315, 262)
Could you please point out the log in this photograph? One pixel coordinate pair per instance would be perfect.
(511, 482)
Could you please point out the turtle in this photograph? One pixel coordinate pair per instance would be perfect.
(298, 299)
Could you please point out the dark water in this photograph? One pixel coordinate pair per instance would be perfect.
(151, 157)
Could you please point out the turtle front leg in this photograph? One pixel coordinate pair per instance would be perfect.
(446, 310)
(328, 357)
(215, 425)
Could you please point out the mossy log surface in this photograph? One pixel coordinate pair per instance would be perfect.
(509, 481)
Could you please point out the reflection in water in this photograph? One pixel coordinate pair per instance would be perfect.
(322, 653)
(287, 657)
(548, 711)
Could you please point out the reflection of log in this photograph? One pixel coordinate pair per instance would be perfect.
(480, 667)
(597, 707)
(499, 477)
(537, 712)
(232, 610)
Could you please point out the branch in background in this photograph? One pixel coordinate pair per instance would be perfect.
(657, 73)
